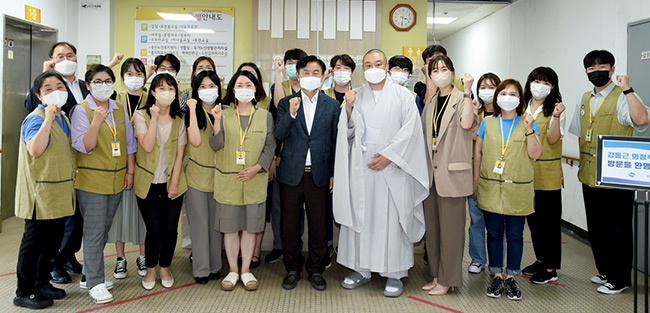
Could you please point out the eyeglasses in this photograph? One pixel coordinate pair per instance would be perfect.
(397, 68)
(99, 83)
(163, 68)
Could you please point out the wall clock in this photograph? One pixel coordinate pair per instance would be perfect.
(402, 17)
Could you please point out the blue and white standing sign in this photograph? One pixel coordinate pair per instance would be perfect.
(623, 162)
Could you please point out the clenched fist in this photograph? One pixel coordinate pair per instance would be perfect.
(155, 112)
(100, 115)
(294, 105)
(191, 104)
(528, 122)
(216, 113)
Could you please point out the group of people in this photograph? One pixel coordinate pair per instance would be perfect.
(388, 165)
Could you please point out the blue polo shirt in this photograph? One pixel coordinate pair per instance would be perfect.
(33, 124)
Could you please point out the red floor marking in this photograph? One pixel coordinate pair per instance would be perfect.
(550, 283)
(80, 261)
(101, 307)
(434, 304)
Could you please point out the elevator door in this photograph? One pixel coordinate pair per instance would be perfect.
(26, 48)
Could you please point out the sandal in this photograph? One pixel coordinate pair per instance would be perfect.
(394, 288)
(357, 281)
(250, 282)
(230, 281)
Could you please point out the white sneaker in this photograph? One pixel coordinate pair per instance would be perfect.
(599, 279)
(475, 268)
(100, 294)
(107, 283)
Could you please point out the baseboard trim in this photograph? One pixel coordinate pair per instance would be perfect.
(575, 232)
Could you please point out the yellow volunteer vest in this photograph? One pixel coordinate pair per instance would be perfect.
(145, 163)
(605, 122)
(228, 189)
(45, 184)
(100, 172)
(200, 163)
(286, 87)
(511, 193)
(548, 168)
(264, 103)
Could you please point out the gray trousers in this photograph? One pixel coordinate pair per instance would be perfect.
(200, 208)
(98, 212)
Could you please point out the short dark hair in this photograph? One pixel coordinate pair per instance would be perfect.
(137, 65)
(487, 76)
(548, 75)
(196, 63)
(521, 108)
(158, 80)
(98, 68)
(595, 57)
(294, 54)
(431, 50)
(175, 62)
(441, 58)
(62, 43)
(309, 59)
(260, 85)
(230, 91)
(40, 79)
(196, 83)
(345, 60)
(401, 62)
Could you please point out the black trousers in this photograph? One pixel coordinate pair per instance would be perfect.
(546, 227)
(609, 219)
(315, 199)
(40, 241)
(160, 215)
(70, 243)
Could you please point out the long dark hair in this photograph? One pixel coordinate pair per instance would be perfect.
(548, 75)
(158, 80)
(521, 108)
(137, 65)
(200, 116)
(260, 84)
(230, 91)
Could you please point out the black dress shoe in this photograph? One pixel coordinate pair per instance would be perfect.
(60, 276)
(274, 256)
(256, 262)
(215, 276)
(291, 280)
(34, 302)
(50, 291)
(202, 280)
(318, 282)
(73, 266)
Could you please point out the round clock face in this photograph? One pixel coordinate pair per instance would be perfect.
(403, 17)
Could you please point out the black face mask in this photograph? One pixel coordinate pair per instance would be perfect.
(599, 78)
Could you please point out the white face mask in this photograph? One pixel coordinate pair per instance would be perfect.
(507, 103)
(245, 95)
(133, 83)
(310, 83)
(539, 91)
(102, 93)
(165, 98)
(399, 77)
(487, 95)
(57, 97)
(167, 72)
(66, 67)
(342, 78)
(375, 75)
(441, 79)
(209, 96)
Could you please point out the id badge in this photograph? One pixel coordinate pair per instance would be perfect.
(241, 157)
(588, 135)
(115, 147)
(498, 166)
(434, 142)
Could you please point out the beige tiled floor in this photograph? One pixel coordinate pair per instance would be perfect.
(573, 292)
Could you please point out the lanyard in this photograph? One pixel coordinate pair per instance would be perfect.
(112, 128)
(591, 114)
(242, 135)
(504, 143)
(207, 117)
(128, 105)
(438, 114)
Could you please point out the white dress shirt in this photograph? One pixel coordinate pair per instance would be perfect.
(76, 90)
(309, 109)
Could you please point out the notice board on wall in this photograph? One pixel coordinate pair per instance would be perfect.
(623, 162)
(187, 33)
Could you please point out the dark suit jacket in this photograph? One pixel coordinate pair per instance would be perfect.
(31, 102)
(321, 142)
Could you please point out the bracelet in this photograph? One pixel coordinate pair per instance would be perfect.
(557, 116)
(531, 133)
(628, 91)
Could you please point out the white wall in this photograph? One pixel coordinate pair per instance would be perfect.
(95, 33)
(554, 33)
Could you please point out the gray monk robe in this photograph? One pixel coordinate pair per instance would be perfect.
(380, 212)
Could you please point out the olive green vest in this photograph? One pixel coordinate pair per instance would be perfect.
(511, 193)
(605, 122)
(146, 162)
(123, 97)
(100, 172)
(229, 189)
(45, 183)
(264, 103)
(200, 163)
(286, 87)
(548, 168)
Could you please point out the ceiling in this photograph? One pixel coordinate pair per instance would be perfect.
(467, 12)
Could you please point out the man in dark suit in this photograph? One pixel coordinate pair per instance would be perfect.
(307, 123)
(63, 60)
